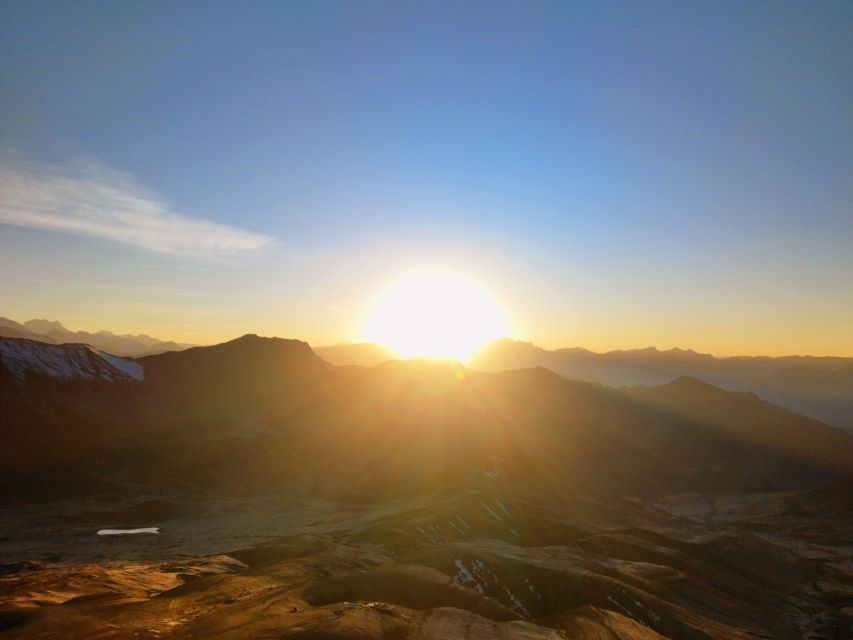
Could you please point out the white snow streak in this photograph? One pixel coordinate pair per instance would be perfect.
(64, 361)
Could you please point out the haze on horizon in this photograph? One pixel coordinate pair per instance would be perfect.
(612, 175)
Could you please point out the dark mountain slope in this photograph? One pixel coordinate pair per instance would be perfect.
(411, 426)
(257, 414)
(821, 388)
(63, 411)
(249, 376)
(746, 418)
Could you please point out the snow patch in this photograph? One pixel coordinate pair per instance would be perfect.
(503, 508)
(121, 532)
(64, 361)
(133, 369)
(433, 533)
(532, 589)
(493, 514)
(465, 576)
(627, 609)
(515, 603)
(453, 524)
(481, 578)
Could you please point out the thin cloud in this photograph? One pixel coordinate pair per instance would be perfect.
(93, 200)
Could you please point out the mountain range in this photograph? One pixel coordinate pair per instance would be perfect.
(299, 499)
(432, 417)
(54, 332)
(819, 387)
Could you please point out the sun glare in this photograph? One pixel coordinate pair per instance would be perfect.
(434, 313)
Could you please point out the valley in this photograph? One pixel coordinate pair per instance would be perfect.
(483, 560)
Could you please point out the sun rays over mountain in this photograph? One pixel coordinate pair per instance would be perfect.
(474, 320)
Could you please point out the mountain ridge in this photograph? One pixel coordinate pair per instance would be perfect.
(817, 386)
(435, 417)
(54, 332)
(820, 387)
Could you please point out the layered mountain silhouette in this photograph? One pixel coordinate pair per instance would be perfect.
(431, 418)
(54, 332)
(820, 387)
(410, 499)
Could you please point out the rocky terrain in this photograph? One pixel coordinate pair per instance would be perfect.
(483, 561)
(419, 499)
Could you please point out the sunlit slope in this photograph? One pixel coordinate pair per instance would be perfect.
(493, 561)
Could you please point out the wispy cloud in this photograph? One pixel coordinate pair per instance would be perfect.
(90, 199)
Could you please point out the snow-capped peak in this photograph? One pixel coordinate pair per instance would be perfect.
(65, 361)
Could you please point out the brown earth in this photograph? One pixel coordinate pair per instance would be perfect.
(489, 562)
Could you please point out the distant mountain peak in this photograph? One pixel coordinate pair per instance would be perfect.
(40, 325)
(689, 381)
(250, 343)
(54, 332)
(254, 338)
(693, 385)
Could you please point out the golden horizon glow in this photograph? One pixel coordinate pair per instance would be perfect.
(434, 313)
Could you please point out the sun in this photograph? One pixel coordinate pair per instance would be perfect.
(434, 313)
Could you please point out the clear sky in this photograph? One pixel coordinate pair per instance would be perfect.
(616, 175)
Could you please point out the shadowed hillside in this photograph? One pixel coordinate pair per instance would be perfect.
(266, 412)
(821, 388)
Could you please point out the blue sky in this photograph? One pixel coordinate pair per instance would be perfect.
(617, 174)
